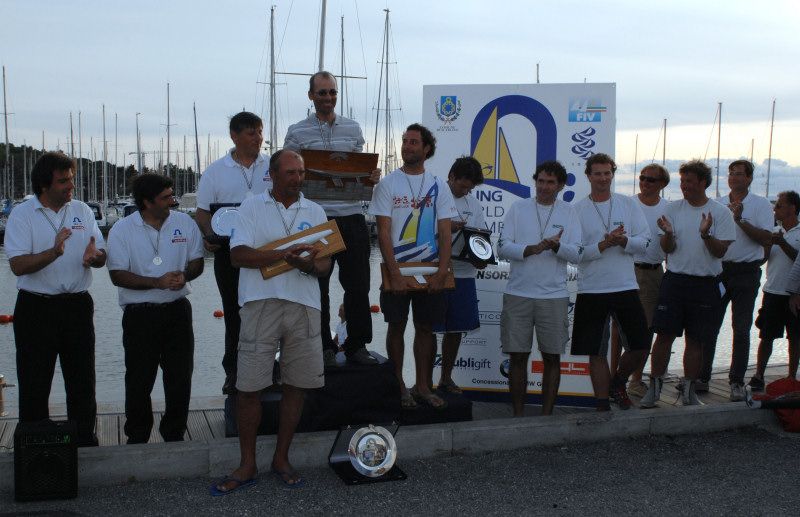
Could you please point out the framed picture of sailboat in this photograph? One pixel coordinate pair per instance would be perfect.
(338, 175)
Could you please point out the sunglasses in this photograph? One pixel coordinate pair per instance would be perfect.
(322, 93)
(649, 179)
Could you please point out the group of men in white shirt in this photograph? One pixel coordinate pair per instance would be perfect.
(621, 243)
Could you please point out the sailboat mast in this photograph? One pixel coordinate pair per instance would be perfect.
(138, 146)
(341, 78)
(167, 171)
(273, 123)
(388, 113)
(664, 149)
(6, 189)
(116, 148)
(635, 156)
(105, 155)
(769, 157)
(196, 145)
(719, 140)
(322, 36)
(81, 194)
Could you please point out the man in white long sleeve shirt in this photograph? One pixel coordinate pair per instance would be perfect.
(540, 236)
(613, 231)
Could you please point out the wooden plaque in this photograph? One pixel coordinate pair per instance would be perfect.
(335, 245)
(411, 282)
(338, 174)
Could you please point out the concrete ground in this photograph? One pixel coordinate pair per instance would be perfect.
(747, 471)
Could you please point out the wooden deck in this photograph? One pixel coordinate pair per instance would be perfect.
(208, 424)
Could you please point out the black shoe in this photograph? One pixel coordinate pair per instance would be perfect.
(229, 387)
(361, 356)
(756, 383)
(329, 358)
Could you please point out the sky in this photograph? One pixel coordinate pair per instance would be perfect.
(672, 60)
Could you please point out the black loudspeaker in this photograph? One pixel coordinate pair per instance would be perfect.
(45, 460)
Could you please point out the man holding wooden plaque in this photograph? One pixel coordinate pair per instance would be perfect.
(281, 312)
(413, 210)
(324, 130)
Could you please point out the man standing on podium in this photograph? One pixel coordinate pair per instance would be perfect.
(240, 174)
(413, 209)
(324, 130)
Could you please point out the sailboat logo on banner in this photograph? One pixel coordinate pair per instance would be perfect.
(490, 146)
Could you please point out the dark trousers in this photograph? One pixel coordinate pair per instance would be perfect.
(228, 284)
(741, 281)
(46, 328)
(152, 337)
(354, 277)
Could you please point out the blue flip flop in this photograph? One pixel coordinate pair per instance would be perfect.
(213, 490)
(280, 473)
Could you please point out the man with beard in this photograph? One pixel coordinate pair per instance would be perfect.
(413, 209)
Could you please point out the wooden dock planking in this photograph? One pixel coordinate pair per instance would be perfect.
(209, 424)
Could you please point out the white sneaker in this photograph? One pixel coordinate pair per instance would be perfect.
(737, 392)
(687, 391)
(653, 392)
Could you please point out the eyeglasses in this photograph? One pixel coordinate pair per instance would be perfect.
(649, 179)
(322, 93)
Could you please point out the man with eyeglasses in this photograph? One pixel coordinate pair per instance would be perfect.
(741, 273)
(324, 130)
(775, 313)
(648, 265)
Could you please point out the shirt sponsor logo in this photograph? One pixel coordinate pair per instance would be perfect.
(177, 236)
(77, 224)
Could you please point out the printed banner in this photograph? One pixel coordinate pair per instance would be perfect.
(510, 129)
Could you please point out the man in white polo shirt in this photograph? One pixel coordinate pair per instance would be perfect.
(153, 254)
(540, 236)
(52, 242)
(462, 302)
(694, 232)
(278, 314)
(240, 174)
(775, 314)
(613, 231)
(741, 273)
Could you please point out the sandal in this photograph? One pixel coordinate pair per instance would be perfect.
(407, 400)
(431, 399)
(449, 387)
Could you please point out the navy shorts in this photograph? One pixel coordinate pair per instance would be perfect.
(688, 303)
(774, 315)
(462, 308)
(590, 328)
(427, 307)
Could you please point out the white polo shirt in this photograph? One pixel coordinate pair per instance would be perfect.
(527, 223)
(611, 270)
(258, 222)
(225, 181)
(132, 246)
(653, 254)
(691, 256)
(779, 263)
(757, 211)
(32, 229)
